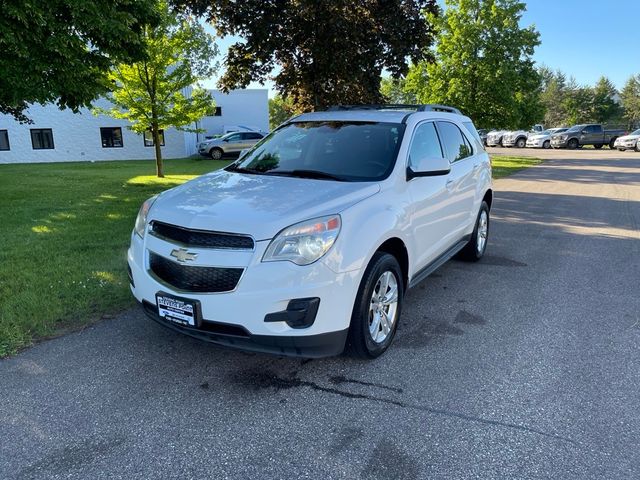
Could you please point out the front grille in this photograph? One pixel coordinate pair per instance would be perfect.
(194, 279)
(201, 238)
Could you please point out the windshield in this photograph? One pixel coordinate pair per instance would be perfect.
(331, 150)
(637, 132)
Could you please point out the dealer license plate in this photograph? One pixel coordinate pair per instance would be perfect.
(178, 310)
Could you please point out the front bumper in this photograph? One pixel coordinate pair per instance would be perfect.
(535, 143)
(627, 144)
(555, 143)
(309, 346)
(265, 289)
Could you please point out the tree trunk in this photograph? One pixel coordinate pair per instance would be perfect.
(155, 132)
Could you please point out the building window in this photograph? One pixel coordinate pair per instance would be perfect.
(215, 112)
(4, 140)
(148, 138)
(42, 138)
(111, 137)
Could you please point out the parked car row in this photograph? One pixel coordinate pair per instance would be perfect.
(593, 134)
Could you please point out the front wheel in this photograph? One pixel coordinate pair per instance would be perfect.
(377, 308)
(477, 244)
(216, 153)
(521, 143)
(573, 144)
(546, 145)
(612, 143)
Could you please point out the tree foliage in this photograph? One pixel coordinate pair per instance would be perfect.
(280, 110)
(322, 52)
(61, 51)
(394, 90)
(630, 96)
(158, 92)
(483, 64)
(568, 103)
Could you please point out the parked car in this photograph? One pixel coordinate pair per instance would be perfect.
(588, 134)
(628, 142)
(309, 242)
(231, 143)
(543, 139)
(483, 135)
(494, 138)
(516, 138)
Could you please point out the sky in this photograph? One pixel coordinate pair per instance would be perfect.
(583, 38)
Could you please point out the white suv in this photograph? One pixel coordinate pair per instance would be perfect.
(308, 242)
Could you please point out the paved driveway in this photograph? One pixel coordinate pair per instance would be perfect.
(526, 365)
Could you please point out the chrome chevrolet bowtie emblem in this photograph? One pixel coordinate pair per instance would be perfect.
(182, 255)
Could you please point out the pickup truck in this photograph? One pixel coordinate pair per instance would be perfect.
(587, 134)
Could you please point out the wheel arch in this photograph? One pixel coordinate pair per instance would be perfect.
(488, 197)
(396, 247)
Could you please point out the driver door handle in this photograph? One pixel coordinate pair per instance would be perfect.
(450, 184)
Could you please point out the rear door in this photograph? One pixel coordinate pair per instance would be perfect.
(251, 138)
(429, 199)
(462, 181)
(233, 143)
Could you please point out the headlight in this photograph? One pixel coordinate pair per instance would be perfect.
(564, 137)
(304, 242)
(141, 220)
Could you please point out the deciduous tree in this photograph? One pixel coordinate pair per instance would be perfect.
(483, 64)
(320, 53)
(280, 110)
(162, 90)
(61, 51)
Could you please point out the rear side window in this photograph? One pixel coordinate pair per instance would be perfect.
(252, 136)
(456, 146)
(469, 126)
(425, 143)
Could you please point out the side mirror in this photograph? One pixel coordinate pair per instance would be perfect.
(243, 152)
(429, 167)
(584, 132)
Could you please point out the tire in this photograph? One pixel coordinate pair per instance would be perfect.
(638, 146)
(474, 249)
(216, 153)
(612, 143)
(572, 144)
(597, 146)
(547, 144)
(365, 340)
(622, 149)
(521, 142)
(500, 144)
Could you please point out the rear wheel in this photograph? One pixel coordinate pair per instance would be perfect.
(521, 142)
(377, 308)
(612, 143)
(216, 153)
(573, 144)
(597, 146)
(477, 245)
(547, 144)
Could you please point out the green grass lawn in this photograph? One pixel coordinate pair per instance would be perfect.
(65, 232)
(504, 165)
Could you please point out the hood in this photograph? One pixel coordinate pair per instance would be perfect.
(629, 137)
(538, 136)
(258, 205)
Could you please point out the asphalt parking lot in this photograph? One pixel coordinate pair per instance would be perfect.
(525, 365)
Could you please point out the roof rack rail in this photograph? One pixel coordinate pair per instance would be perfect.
(432, 107)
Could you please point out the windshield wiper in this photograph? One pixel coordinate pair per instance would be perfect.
(235, 168)
(315, 174)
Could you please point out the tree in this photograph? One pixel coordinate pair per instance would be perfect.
(322, 52)
(280, 110)
(61, 51)
(394, 90)
(483, 64)
(604, 106)
(158, 93)
(630, 96)
(552, 97)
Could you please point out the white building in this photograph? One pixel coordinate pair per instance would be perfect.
(62, 136)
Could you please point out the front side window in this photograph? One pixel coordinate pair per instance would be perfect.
(42, 138)
(425, 144)
(456, 146)
(334, 150)
(148, 138)
(111, 137)
(4, 140)
(236, 137)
